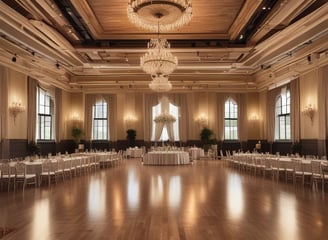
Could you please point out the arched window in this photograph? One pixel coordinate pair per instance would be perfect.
(282, 121)
(174, 111)
(100, 120)
(230, 120)
(45, 115)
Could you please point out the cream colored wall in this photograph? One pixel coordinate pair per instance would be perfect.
(17, 92)
(309, 95)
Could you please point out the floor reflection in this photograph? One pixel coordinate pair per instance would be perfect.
(235, 197)
(41, 219)
(287, 217)
(156, 191)
(174, 191)
(133, 189)
(97, 198)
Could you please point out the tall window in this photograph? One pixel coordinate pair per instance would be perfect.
(230, 120)
(45, 110)
(100, 120)
(282, 123)
(174, 111)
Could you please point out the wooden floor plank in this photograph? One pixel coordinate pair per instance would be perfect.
(201, 201)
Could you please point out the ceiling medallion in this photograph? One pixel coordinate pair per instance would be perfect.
(174, 14)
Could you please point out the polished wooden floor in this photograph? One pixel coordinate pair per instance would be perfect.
(205, 200)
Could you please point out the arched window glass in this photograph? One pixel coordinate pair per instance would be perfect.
(100, 120)
(230, 120)
(45, 115)
(282, 121)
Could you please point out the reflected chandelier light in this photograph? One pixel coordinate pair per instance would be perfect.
(175, 13)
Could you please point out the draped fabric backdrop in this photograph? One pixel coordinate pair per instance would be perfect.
(58, 108)
(158, 130)
(180, 100)
(31, 109)
(170, 132)
(150, 100)
(295, 109)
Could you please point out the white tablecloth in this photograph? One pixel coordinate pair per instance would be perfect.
(166, 158)
(134, 152)
(196, 153)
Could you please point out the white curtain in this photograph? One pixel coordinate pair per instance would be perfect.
(58, 109)
(170, 132)
(158, 130)
(271, 116)
(150, 100)
(295, 109)
(31, 109)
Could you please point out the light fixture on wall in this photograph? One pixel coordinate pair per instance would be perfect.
(129, 121)
(15, 108)
(202, 121)
(309, 111)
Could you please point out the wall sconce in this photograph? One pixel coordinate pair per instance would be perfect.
(15, 109)
(129, 120)
(202, 121)
(309, 111)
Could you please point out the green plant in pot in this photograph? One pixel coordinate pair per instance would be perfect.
(296, 148)
(77, 134)
(205, 135)
(33, 148)
(131, 136)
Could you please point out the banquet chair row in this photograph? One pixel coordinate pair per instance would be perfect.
(294, 171)
(16, 176)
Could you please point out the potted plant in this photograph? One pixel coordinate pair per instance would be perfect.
(77, 133)
(33, 148)
(296, 148)
(131, 136)
(205, 136)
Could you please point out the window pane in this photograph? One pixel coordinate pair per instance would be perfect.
(230, 120)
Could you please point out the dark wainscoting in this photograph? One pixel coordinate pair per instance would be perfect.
(17, 148)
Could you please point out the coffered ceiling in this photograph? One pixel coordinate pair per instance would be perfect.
(229, 45)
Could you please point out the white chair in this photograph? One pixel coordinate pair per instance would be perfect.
(7, 176)
(47, 172)
(22, 177)
(317, 175)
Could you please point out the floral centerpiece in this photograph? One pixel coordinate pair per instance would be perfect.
(164, 118)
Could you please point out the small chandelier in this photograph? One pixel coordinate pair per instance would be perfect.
(175, 13)
(160, 84)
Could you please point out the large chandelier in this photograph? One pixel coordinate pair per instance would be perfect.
(160, 84)
(174, 13)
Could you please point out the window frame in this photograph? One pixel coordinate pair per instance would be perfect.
(230, 120)
(104, 119)
(280, 114)
(42, 124)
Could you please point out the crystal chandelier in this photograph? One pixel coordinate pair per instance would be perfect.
(160, 84)
(158, 60)
(175, 13)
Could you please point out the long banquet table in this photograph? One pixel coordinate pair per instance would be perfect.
(166, 158)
